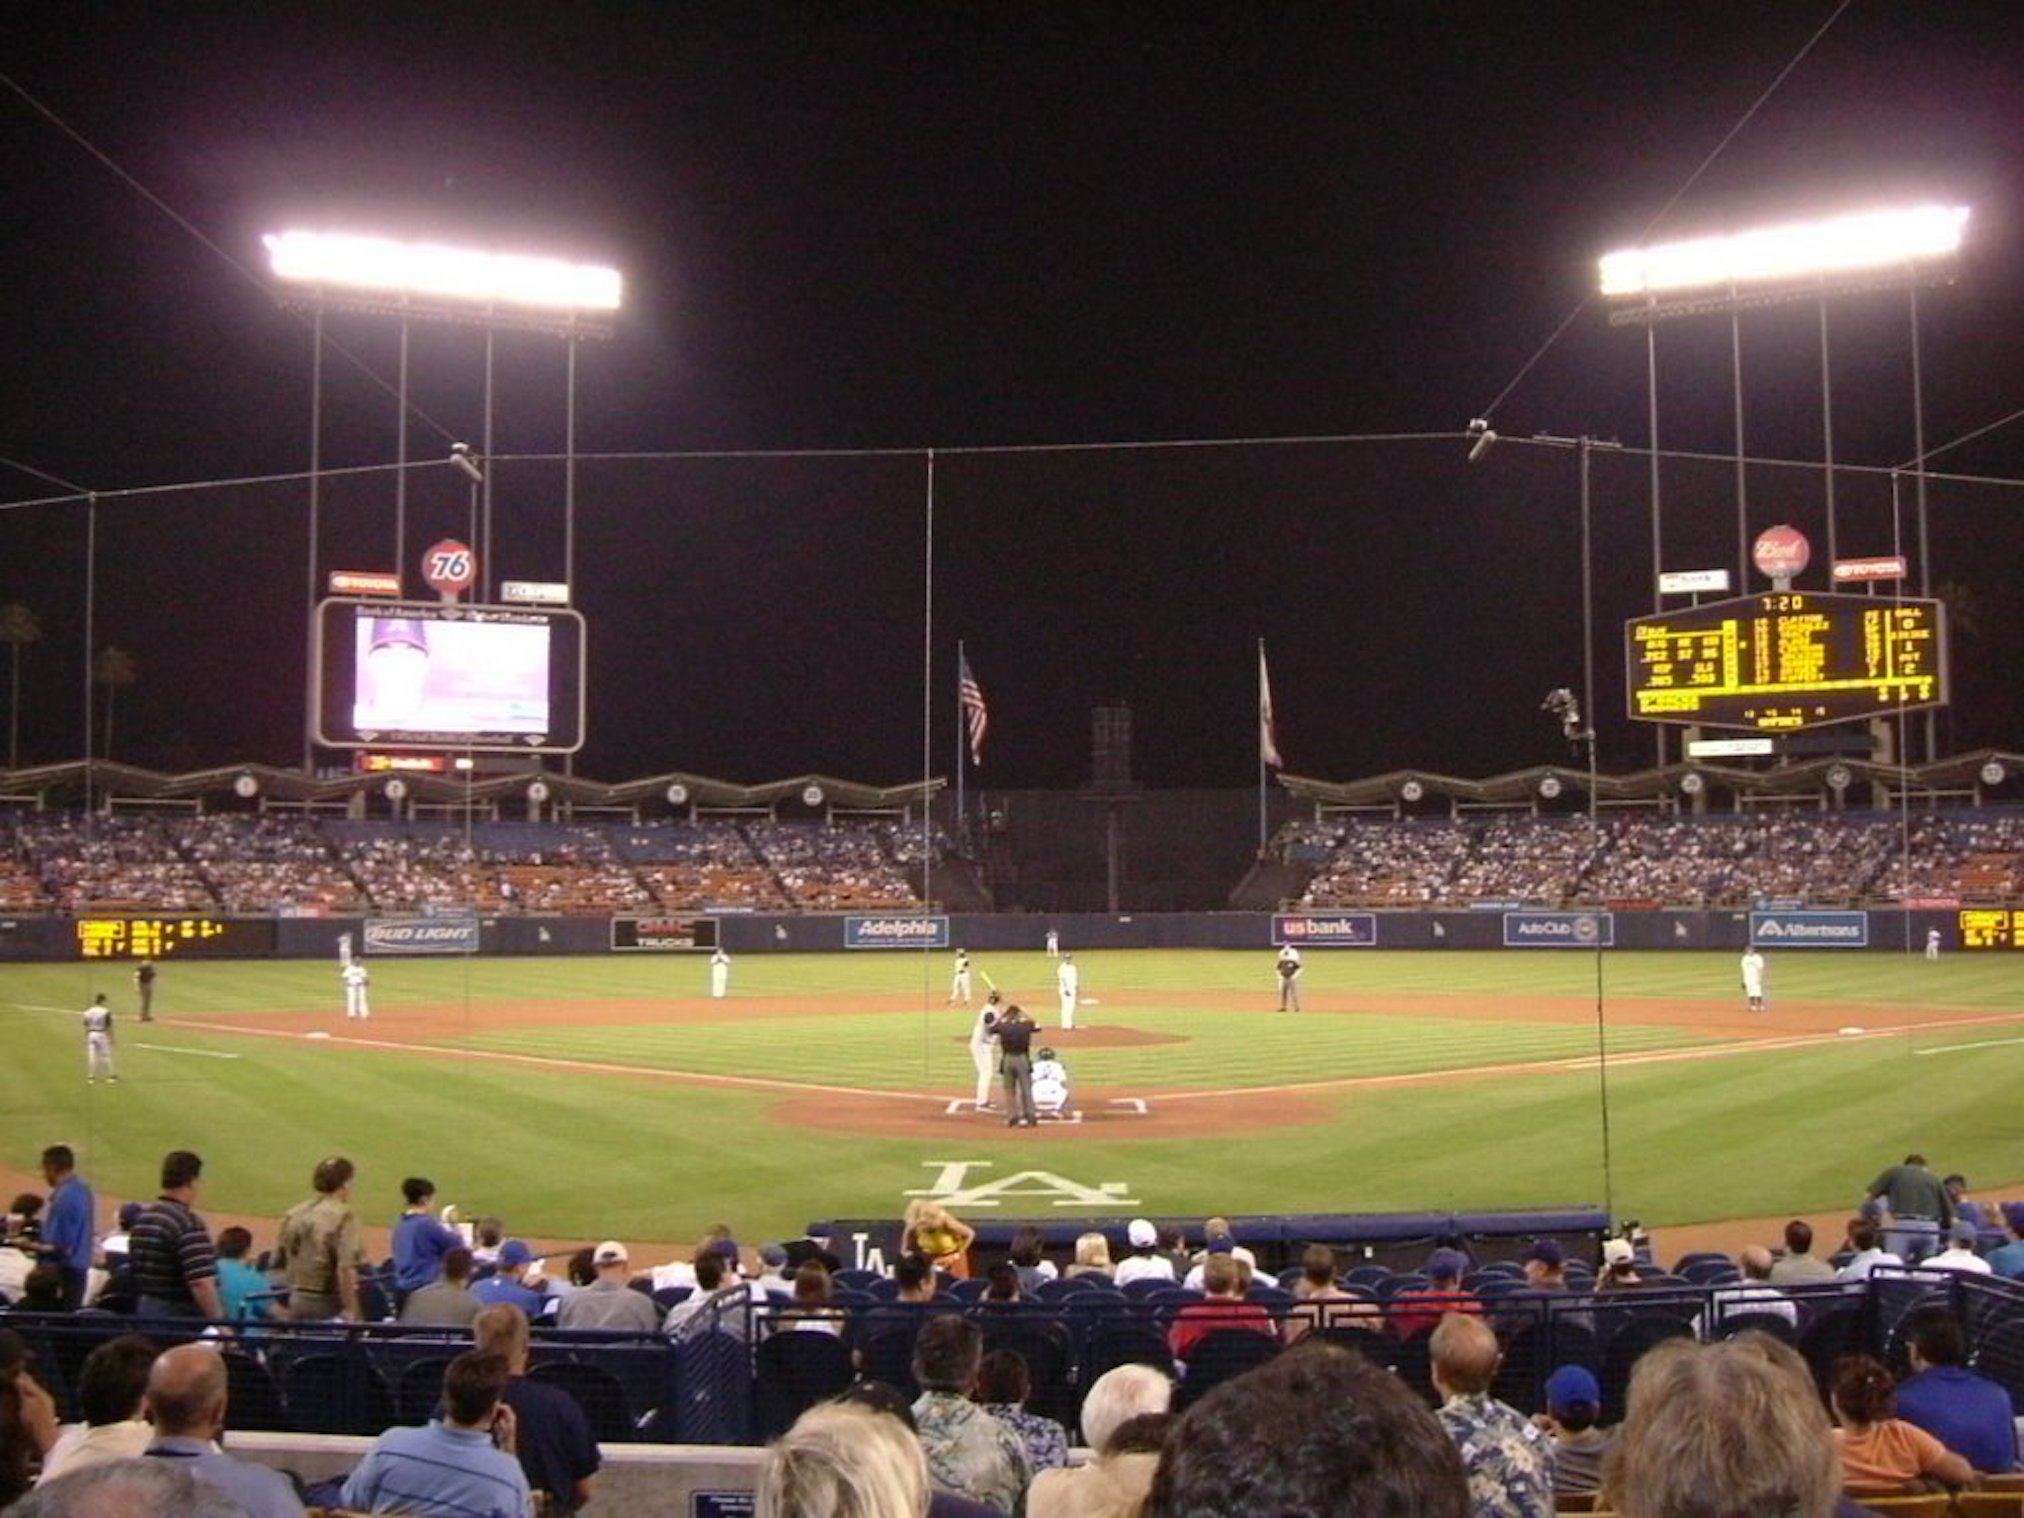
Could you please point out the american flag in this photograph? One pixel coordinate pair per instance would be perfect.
(1268, 733)
(976, 714)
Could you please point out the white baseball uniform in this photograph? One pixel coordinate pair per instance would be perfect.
(1287, 970)
(720, 974)
(1053, 944)
(1753, 978)
(355, 978)
(1068, 981)
(1050, 1085)
(1932, 943)
(98, 1042)
(984, 1052)
(959, 982)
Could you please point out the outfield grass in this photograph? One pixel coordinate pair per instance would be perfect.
(564, 1152)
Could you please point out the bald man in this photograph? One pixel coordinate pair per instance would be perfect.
(1509, 1461)
(186, 1403)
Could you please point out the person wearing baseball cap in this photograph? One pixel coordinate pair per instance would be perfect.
(609, 1302)
(1573, 1403)
(1619, 1266)
(1416, 1312)
(513, 1279)
(1144, 1263)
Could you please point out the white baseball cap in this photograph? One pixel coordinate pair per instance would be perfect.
(1142, 1233)
(610, 1252)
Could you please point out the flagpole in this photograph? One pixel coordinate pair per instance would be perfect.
(962, 817)
(1261, 750)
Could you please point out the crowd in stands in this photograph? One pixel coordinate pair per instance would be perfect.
(292, 863)
(1747, 1384)
(1716, 861)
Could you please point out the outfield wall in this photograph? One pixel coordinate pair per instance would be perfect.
(58, 938)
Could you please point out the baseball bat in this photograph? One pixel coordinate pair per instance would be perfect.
(988, 981)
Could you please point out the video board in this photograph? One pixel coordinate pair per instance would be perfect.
(1786, 660)
(409, 674)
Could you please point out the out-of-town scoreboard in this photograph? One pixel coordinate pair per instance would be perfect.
(1787, 659)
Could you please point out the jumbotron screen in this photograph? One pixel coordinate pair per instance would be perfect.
(1786, 660)
(417, 675)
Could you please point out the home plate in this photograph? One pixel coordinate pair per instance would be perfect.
(1851, 1032)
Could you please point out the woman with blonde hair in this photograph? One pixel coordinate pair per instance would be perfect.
(939, 1235)
(844, 1460)
(1092, 1257)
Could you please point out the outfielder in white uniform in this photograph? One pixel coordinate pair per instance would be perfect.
(1068, 981)
(1053, 944)
(984, 1051)
(98, 1041)
(1753, 978)
(720, 973)
(355, 978)
(959, 982)
(1932, 943)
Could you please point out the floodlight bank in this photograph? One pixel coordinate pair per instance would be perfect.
(443, 273)
(1871, 240)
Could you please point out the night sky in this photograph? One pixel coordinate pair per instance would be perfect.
(890, 228)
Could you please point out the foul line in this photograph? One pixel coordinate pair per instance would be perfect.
(178, 1049)
(1987, 1043)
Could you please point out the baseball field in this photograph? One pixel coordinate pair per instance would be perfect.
(593, 1097)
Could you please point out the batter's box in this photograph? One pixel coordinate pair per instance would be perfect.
(1130, 1106)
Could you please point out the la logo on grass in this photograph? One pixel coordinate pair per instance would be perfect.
(953, 1185)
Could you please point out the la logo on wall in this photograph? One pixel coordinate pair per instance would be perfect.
(953, 1185)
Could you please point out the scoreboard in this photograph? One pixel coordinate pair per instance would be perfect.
(1786, 659)
(1991, 928)
(173, 937)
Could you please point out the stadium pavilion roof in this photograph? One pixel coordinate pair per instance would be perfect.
(1957, 774)
(69, 782)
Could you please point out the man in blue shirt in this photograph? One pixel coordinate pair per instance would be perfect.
(451, 1465)
(2008, 1259)
(419, 1241)
(186, 1404)
(67, 1225)
(507, 1285)
(1970, 1414)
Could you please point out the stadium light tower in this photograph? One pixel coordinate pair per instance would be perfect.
(1889, 249)
(324, 272)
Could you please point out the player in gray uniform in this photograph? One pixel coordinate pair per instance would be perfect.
(1288, 967)
(98, 1041)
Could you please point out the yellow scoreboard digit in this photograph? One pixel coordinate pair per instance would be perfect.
(1991, 928)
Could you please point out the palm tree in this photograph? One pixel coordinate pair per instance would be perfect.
(115, 669)
(19, 626)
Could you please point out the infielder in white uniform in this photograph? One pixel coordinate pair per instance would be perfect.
(1053, 944)
(720, 973)
(959, 982)
(1753, 978)
(1932, 943)
(1068, 981)
(98, 1041)
(355, 978)
(1287, 969)
(984, 1051)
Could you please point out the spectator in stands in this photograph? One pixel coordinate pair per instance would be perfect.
(1545, 1265)
(33, 1410)
(1029, 1256)
(1734, 1427)
(117, 1245)
(186, 1402)
(1509, 1461)
(1319, 1432)
(1881, 1452)
(67, 1230)
(1222, 1307)
(124, 1489)
(552, 1437)
(844, 1460)
(1416, 1312)
(1918, 1206)
(321, 1251)
(1798, 1265)
(772, 1278)
(42, 1290)
(175, 1269)
(1619, 1267)
(1004, 1387)
(1001, 1285)
(1960, 1252)
(813, 1311)
(111, 1390)
(913, 1280)
(419, 1240)
(1114, 1483)
(509, 1281)
(969, 1451)
(1322, 1301)
(243, 1288)
(448, 1302)
(1756, 1296)
(719, 1302)
(1573, 1406)
(2007, 1260)
(1217, 1238)
(1968, 1413)
(1092, 1257)
(938, 1234)
(450, 1466)
(18, 1452)
(1966, 1210)
(488, 1237)
(1145, 1262)
(1862, 1237)
(1174, 1246)
(609, 1302)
